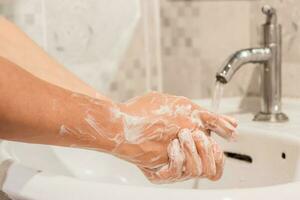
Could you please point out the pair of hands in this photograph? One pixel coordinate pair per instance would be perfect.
(168, 138)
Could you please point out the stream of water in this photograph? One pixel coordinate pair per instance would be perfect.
(215, 105)
(217, 96)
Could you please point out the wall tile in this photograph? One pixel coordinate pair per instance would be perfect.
(197, 38)
(28, 16)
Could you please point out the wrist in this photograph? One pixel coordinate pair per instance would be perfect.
(93, 123)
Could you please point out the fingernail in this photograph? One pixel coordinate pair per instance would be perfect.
(234, 136)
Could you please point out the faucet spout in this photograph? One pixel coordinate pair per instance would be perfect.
(239, 58)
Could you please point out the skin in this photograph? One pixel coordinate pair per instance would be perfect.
(18, 48)
(188, 127)
(167, 137)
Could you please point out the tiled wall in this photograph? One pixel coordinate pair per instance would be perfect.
(91, 37)
(199, 35)
(196, 37)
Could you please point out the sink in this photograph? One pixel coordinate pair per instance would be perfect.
(275, 159)
(82, 164)
(265, 159)
(256, 159)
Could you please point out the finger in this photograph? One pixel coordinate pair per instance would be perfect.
(176, 159)
(231, 120)
(205, 150)
(219, 160)
(218, 124)
(171, 172)
(193, 165)
(159, 177)
(195, 119)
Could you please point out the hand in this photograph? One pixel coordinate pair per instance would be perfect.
(167, 137)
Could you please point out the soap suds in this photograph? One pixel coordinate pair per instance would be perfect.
(63, 130)
(93, 123)
(196, 119)
(132, 125)
(185, 137)
(183, 109)
(75, 132)
(163, 110)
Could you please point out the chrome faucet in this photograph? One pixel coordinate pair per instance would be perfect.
(270, 58)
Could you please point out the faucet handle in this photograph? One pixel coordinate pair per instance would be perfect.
(270, 12)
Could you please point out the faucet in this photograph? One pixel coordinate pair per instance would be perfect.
(269, 56)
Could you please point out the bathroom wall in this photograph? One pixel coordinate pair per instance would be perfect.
(196, 37)
(99, 40)
(199, 35)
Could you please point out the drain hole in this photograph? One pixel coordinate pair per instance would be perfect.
(238, 156)
(283, 156)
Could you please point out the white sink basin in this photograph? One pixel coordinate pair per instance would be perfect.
(275, 160)
(264, 155)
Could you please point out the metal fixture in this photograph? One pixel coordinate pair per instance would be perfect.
(270, 58)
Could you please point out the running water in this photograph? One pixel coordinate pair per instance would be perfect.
(215, 105)
(217, 95)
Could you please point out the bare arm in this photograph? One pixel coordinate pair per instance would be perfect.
(164, 135)
(17, 47)
(34, 111)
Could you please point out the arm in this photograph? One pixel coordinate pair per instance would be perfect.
(35, 111)
(17, 47)
(166, 136)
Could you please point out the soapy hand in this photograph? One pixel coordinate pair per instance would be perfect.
(167, 137)
(173, 141)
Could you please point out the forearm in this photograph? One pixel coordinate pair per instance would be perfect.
(34, 111)
(17, 47)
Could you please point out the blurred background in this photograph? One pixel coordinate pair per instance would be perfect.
(125, 48)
